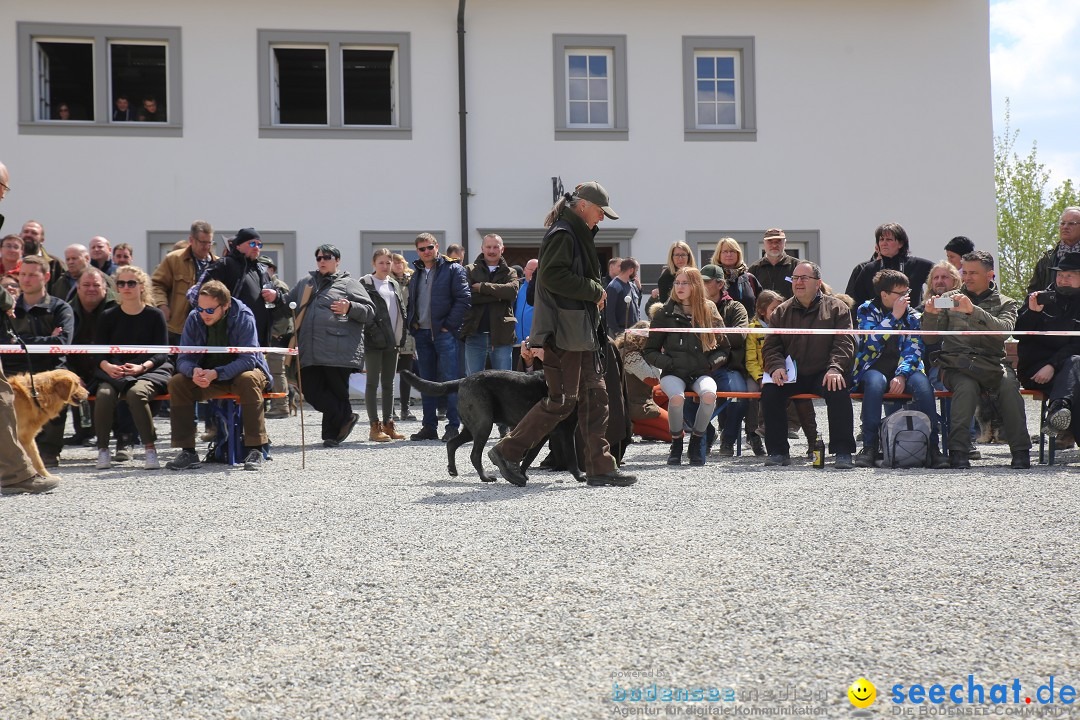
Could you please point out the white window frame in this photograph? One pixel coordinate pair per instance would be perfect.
(109, 73)
(394, 102)
(614, 46)
(274, 84)
(101, 37)
(589, 53)
(335, 43)
(716, 103)
(742, 49)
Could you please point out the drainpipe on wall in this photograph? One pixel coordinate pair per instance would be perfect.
(462, 124)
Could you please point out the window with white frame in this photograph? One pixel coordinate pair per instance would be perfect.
(715, 78)
(719, 98)
(590, 87)
(99, 79)
(330, 84)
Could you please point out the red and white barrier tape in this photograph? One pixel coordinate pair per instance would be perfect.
(139, 350)
(845, 331)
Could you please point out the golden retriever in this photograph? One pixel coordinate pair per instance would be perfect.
(55, 389)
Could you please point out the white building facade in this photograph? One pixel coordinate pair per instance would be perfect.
(338, 122)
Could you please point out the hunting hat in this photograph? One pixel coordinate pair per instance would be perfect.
(595, 193)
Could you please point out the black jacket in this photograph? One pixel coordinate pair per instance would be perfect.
(35, 326)
(1035, 351)
(917, 270)
(681, 353)
(379, 334)
(244, 278)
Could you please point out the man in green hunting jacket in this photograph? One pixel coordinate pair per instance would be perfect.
(970, 364)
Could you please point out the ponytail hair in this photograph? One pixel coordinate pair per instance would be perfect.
(566, 201)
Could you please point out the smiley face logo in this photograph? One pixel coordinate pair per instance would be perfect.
(862, 693)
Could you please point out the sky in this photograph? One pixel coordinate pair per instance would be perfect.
(1035, 63)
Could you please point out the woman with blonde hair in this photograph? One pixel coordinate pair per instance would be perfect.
(741, 283)
(679, 256)
(137, 379)
(685, 359)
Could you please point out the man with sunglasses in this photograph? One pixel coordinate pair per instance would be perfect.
(218, 320)
(1069, 241)
(439, 295)
(178, 272)
(245, 277)
(332, 308)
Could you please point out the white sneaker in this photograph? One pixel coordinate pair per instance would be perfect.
(104, 459)
(152, 460)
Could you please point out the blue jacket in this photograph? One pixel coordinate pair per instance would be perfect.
(241, 332)
(618, 313)
(872, 317)
(523, 311)
(450, 296)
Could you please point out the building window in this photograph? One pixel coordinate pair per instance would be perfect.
(329, 84)
(588, 91)
(590, 87)
(99, 79)
(802, 244)
(719, 101)
(368, 86)
(299, 86)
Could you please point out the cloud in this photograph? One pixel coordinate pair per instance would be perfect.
(1035, 63)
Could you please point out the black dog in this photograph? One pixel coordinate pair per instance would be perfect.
(496, 396)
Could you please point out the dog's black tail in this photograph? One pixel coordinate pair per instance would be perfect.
(427, 387)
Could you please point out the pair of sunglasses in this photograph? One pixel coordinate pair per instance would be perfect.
(126, 283)
(208, 311)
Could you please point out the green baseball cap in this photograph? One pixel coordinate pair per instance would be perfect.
(595, 193)
(712, 272)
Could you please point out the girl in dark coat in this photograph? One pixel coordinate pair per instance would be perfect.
(685, 359)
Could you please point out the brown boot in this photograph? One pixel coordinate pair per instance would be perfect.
(377, 434)
(388, 428)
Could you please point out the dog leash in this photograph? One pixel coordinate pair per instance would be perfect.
(29, 363)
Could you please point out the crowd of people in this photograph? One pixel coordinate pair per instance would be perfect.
(624, 360)
(892, 292)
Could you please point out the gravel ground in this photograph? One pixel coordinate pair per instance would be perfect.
(370, 584)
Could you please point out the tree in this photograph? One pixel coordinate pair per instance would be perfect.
(1027, 216)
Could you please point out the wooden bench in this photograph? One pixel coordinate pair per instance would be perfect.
(944, 397)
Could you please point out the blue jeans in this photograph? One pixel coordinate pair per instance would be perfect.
(477, 349)
(875, 385)
(437, 360)
(735, 410)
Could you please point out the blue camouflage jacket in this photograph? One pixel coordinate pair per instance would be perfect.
(872, 317)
